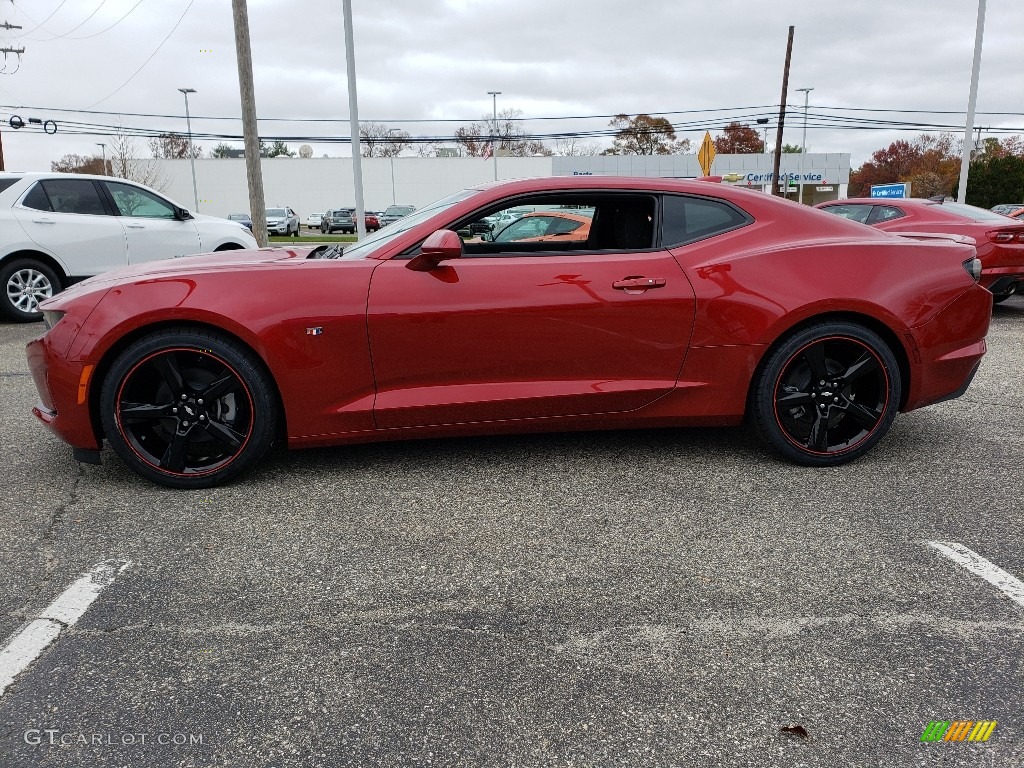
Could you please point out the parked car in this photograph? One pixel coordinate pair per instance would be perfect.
(396, 212)
(999, 240)
(689, 303)
(372, 222)
(242, 218)
(313, 220)
(282, 221)
(57, 228)
(565, 226)
(338, 219)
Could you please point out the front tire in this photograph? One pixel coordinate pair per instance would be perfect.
(26, 283)
(188, 408)
(826, 395)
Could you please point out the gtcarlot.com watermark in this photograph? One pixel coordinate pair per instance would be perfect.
(55, 737)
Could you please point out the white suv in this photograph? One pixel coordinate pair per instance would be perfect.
(57, 228)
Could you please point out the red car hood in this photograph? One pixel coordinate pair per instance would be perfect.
(206, 262)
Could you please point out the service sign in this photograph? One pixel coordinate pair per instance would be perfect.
(890, 190)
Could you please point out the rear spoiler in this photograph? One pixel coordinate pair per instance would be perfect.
(961, 239)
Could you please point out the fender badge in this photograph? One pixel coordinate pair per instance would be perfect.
(314, 331)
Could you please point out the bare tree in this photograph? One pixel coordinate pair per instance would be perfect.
(571, 146)
(377, 140)
(506, 132)
(126, 163)
(173, 146)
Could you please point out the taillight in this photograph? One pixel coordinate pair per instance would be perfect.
(973, 267)
(1006, 235)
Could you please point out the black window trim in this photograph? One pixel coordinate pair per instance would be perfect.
(747, 218)
(508, 202)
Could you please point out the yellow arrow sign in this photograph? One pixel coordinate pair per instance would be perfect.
(706, 154)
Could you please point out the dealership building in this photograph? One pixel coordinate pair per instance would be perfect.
(310, 185)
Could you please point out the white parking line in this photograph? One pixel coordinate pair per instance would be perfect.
(1010, 586)
(32, 639)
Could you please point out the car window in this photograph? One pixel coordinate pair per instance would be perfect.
(36, 199)
(852, 212)
(687, 219)
(139, 203)
(5, 183)
(564, 221)
(886, 213)
(275, 212)
(74, 196)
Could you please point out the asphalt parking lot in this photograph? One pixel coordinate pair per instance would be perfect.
(657, 598)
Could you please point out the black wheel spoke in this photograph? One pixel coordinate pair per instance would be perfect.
(864, 365)
(793, 399)
(144, 411)
(222, 386)
(176, 454)
(818, 439)
(224, 434)
(814, 356)
(167, 366)
(863, 415)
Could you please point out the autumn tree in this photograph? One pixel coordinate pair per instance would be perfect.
(377, 140)
(506, 133)
(738, 139)
(80, 164)
(173, 146)
(929, 163)
(644, 135)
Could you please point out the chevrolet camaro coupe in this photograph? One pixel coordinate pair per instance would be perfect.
(688, 303)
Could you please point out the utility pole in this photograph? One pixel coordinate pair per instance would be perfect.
(803, 146)
(782, 115)
(5, 51)
(103, 147)
(253, 171)
(972, 100)
(494, 149)
(353, 119)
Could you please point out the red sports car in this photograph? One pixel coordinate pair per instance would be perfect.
(688, 303)
(999, 240)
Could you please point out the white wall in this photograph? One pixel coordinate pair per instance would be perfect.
(316, 184)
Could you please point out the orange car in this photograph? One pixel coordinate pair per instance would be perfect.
(540, 226)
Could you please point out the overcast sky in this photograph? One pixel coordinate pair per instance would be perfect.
(424, 60)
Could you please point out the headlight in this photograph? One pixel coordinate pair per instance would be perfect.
(51, 317)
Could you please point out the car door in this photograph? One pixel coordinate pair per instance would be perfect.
(70, 219)
(152, 228)
(529, 330)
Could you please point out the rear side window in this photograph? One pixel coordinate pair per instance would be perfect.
(886, 213)
(36, 199)
(74, 196)
(687, 219)
(5, 183)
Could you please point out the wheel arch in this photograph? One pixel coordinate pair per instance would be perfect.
(888, 335)
(45, 258)
(229, 247)
(115, 349)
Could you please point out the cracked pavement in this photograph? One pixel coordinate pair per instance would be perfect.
(668, 598)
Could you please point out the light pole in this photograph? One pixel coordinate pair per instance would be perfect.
(103, 147)
(803, 144)
(494, 150)
(191, 154)
(972, 101)
(391, 133)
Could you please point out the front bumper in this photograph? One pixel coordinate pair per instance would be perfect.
(63, 388)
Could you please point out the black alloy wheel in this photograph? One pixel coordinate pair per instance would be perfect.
(188, 408)
(827, 394)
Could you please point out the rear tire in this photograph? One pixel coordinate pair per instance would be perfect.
(26, 283)
(188, 408)
(826, 395)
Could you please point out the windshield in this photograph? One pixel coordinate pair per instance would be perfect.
(382, 237)
(399, 210)
(275, 211)
(974, 213)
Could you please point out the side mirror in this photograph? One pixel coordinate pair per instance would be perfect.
(183, 214)
(442, 245)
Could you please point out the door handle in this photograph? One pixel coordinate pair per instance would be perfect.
(43, 221)
(639, 283)
(135, 226)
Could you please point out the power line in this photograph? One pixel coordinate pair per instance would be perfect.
(142, 66)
